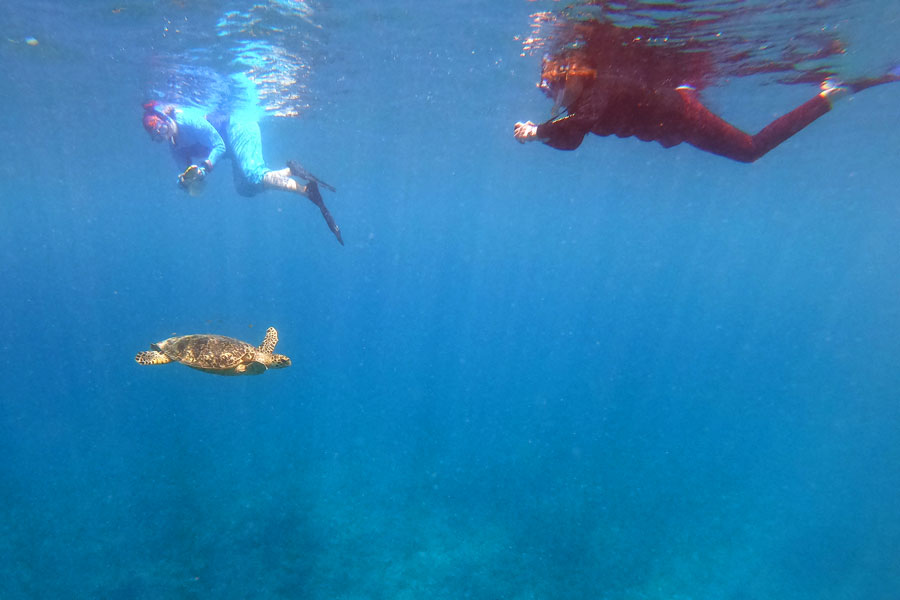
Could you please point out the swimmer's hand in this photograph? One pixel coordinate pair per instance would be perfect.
(193, 180)
(526, 132)
(191, 174)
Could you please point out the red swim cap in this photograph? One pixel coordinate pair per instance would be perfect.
(158, 124)
(152, 122)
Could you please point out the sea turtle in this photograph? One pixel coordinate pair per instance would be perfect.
(217, 354)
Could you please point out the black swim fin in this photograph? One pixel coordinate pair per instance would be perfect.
(312, 192)
(297, 170)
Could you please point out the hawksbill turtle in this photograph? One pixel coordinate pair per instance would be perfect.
(217, 354)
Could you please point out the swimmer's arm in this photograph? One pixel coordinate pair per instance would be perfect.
(215, 142)
(199, 131)
(565, 133)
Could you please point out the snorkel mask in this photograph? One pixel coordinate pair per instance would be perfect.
(563, 80)
(159, 125)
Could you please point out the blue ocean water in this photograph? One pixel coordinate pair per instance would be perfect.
(623, 372)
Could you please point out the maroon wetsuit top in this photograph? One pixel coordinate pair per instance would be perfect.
(670, 117)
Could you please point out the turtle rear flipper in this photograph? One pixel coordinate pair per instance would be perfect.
(152, 357)
(268, 344)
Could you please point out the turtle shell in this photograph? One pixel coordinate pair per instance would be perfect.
(207, 352)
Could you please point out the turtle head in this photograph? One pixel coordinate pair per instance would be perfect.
(279, 361)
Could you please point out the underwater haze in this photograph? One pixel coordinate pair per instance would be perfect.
(620, 373)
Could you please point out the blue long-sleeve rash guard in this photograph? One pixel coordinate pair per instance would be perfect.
(196, 140)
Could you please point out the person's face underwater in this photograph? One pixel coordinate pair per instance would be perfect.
(563, 83)
(162, 129)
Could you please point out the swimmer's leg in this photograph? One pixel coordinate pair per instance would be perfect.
(710, 132)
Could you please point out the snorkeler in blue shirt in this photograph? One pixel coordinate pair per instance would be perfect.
(198, 141)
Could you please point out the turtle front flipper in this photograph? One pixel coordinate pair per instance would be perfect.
(152, 357)
(250, 368)
(268, 344)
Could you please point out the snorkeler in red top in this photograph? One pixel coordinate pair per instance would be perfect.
(622, 91)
